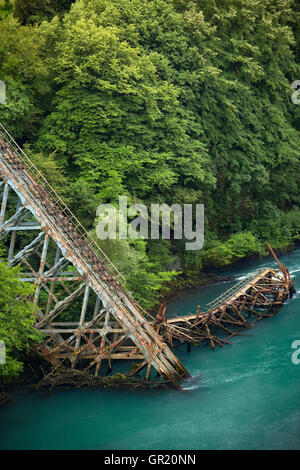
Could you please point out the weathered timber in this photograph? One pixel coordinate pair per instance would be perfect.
(259, 296)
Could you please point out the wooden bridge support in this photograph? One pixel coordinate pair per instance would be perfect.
(259, 296)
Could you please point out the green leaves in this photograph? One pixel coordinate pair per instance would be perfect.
(16, 319)
(117, 107)
(237, 246)
(144, 267)
(23, 71)
(164, 101)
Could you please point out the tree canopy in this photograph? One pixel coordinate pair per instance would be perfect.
(169, 101)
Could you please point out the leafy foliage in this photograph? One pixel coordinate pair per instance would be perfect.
(16, 320)
(237, 246)
(35, 11)
(23, 71)
(6, 8)
(145, 274)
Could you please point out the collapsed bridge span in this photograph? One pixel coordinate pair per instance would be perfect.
(260, 295)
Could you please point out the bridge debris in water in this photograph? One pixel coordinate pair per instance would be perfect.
(259, 296)
(88, 318)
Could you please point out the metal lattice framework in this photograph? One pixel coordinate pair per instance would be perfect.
(74, 278)
(260, 295)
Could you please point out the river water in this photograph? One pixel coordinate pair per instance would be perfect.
(245, 395)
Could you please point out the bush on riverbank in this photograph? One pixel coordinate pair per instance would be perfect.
(17, 317)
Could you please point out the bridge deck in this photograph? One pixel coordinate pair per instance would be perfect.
(227, 297)
(259, 296)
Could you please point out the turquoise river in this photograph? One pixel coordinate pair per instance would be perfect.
(245, 396)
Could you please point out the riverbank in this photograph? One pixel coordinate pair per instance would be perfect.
(24, 381)
(5, 398)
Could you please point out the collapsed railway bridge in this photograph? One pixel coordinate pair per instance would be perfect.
(260, 295)
(83, 309)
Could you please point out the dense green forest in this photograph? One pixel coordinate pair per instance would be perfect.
(169, 101)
